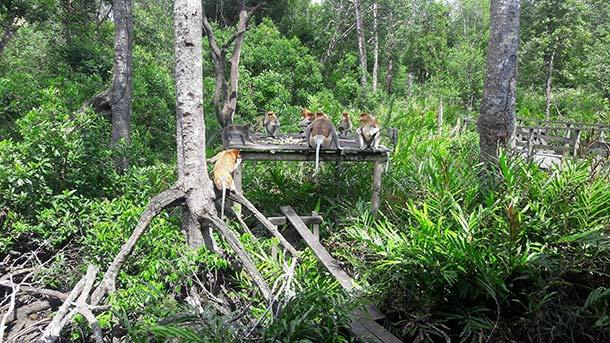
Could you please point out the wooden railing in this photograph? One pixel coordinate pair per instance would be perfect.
(536, 137)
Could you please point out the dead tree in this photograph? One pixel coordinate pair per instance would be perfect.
(122, 76)
(225, 92)
(496, 123)
(193, 190)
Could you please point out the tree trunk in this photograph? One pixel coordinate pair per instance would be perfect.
(496, 123)
(122, 76)
(361, 43)
(375, 48)
(410, 77)
(192, 169)
(225, 92)
(548, 85)
(389, 77)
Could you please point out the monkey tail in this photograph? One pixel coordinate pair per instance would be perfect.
(222, 203)
(319, 140)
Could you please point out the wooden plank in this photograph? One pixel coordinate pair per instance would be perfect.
(322, 254)
(313, 219)
(379, 332)
(363, 333)
(311, 156)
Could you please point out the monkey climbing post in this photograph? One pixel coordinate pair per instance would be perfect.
(292, 147)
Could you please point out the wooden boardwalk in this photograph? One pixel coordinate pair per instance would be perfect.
(548, 143)
(363, 324)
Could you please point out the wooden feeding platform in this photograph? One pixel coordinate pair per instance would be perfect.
(293, 147)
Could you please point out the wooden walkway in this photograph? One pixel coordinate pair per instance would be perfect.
(548, 143)
(363, 324)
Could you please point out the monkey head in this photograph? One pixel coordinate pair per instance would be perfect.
(320, 114)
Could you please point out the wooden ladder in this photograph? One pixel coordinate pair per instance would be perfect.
(363, 324)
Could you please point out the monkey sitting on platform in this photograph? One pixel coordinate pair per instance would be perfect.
(225, 163)
(345, 124)
(307, 117)
(271, 123)
(369, 132)
(321, 133)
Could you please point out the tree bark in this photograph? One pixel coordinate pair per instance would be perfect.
(375, 48)
(192, 168)
(361, 43)
(389, 77)
(548, 94)
(122, 76)
(496, 124)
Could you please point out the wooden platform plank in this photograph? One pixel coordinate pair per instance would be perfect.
(378, 331)
(327, 260)
(363, 323)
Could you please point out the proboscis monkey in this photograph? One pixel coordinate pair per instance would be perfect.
(307, 117)
(225, 163)
(321, 133)
(272, 124)
(345, 124)
(369, 132)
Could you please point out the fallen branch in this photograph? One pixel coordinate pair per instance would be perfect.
(21, 316)
(240, 198)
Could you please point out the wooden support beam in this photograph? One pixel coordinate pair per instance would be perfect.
(311, 156)
(316, 226)
(376, 191)
(313, 219)
(327, 260)
(363, 323)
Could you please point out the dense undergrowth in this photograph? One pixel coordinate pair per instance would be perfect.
(523, 257)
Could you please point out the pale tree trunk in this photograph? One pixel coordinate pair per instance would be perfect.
(548, 94)
(496, 124)
(122, 76)
(410, 78)
(225, 92)
(361, 43)
(375, 48)
(190, 138)
(389, 77)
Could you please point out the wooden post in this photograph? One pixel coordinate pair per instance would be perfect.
(575, 143)
(439, 118)
(316, 226)
(375, 194)
(530, 143)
